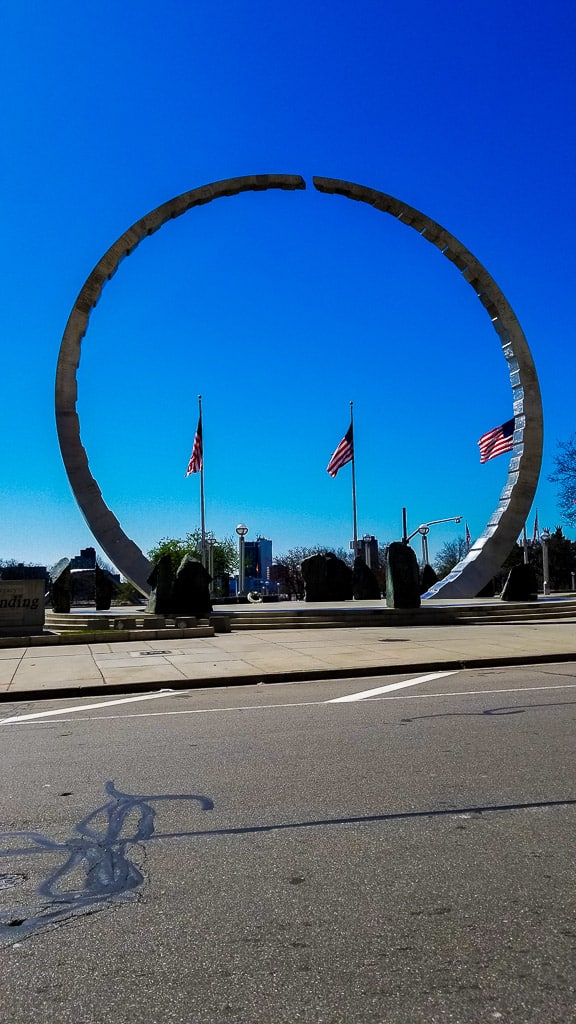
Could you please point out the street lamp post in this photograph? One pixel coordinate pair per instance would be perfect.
(241, 530)
(545, 537)
(208, 556)
(424, 530)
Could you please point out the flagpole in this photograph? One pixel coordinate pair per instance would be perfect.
(354, 513)
(202, 508)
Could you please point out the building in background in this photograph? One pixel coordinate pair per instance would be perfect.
(85, 560)
(257, 563)
(367, 548)
(19, 571)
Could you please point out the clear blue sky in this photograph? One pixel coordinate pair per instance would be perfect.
(279, 308)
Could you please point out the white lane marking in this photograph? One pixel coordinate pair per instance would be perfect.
(391, 686)
(272, 707)
(191, 711)
(165, 693)
(87, 707)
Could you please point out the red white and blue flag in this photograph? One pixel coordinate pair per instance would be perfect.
(195, 464)
(343, 454)
(497, 441)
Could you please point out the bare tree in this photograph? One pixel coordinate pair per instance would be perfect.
(286, 569)
(449, 555)
(564, 476)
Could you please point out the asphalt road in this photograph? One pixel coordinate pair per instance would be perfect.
(276, 854)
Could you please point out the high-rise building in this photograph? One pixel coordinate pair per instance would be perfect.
(257, 562)
(85, 560)
(367, 549)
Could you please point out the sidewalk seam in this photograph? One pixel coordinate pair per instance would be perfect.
(13, 677)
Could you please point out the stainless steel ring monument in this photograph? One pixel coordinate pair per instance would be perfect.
(506, 522)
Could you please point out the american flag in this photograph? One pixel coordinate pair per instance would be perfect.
(468, 538)
(497, 441)
(343, 454)
(195, 464)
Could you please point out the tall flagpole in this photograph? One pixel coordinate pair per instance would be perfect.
(202, 508)
(355, 518)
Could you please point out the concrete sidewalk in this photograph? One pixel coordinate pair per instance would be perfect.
(274, 656)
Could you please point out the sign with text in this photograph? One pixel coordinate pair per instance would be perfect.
(21, 607)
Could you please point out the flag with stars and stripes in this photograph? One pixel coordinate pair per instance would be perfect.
(497, 441)
(195, 464)
(343, 454)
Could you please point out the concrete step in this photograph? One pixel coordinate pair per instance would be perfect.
(266, 618)
(427, 615)
(237, 626)
(120, 626)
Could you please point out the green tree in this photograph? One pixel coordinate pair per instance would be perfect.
(561, 562)
(516, 557)
(127, 594)
(564, 476)
(225, 554)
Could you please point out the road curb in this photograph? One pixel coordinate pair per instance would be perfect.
(314, 675)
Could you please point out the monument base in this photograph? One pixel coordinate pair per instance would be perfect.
(21, 607)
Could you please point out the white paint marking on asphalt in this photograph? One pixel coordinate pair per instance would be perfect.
(25, 719)
(165, 693)
(391, 686)
(86, 707)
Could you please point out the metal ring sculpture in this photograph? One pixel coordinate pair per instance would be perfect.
(506, 522)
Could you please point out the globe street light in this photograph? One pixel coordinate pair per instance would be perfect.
(424, 530)
(241, 530)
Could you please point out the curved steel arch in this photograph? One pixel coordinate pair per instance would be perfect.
(123, 552)
(506, 522)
